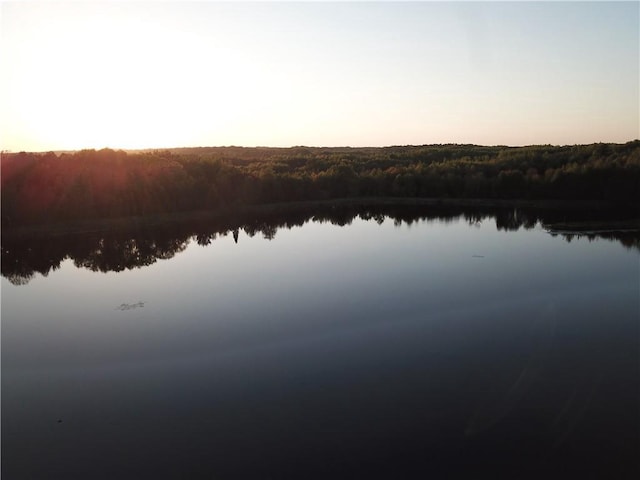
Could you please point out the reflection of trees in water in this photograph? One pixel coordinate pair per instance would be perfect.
(18, 278)
(515, 218)
(205, 239)
(23, 259)
(630, 240)
(123, 250)
(103, 253)
(116, 255)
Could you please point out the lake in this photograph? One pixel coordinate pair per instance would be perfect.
(349, 343)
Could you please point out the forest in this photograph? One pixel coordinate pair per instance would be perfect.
(48, 188)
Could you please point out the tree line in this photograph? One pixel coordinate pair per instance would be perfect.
(48, 187)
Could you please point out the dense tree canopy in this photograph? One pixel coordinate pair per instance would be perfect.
(50, 187)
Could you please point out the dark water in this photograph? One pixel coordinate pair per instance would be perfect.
(381, 344)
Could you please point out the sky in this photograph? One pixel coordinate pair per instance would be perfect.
(175, 74)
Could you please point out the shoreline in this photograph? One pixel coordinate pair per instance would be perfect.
(98, 225)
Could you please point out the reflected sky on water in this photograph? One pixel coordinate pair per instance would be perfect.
(368, 349)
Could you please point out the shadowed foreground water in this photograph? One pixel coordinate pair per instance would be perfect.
(366, 348)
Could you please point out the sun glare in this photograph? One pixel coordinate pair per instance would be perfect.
(117, 83)
(163, 74)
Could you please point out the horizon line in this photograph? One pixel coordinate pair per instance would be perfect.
(142, 149)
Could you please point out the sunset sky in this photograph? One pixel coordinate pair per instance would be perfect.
(151, 74)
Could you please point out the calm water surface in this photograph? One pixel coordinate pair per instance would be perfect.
(439, 349)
